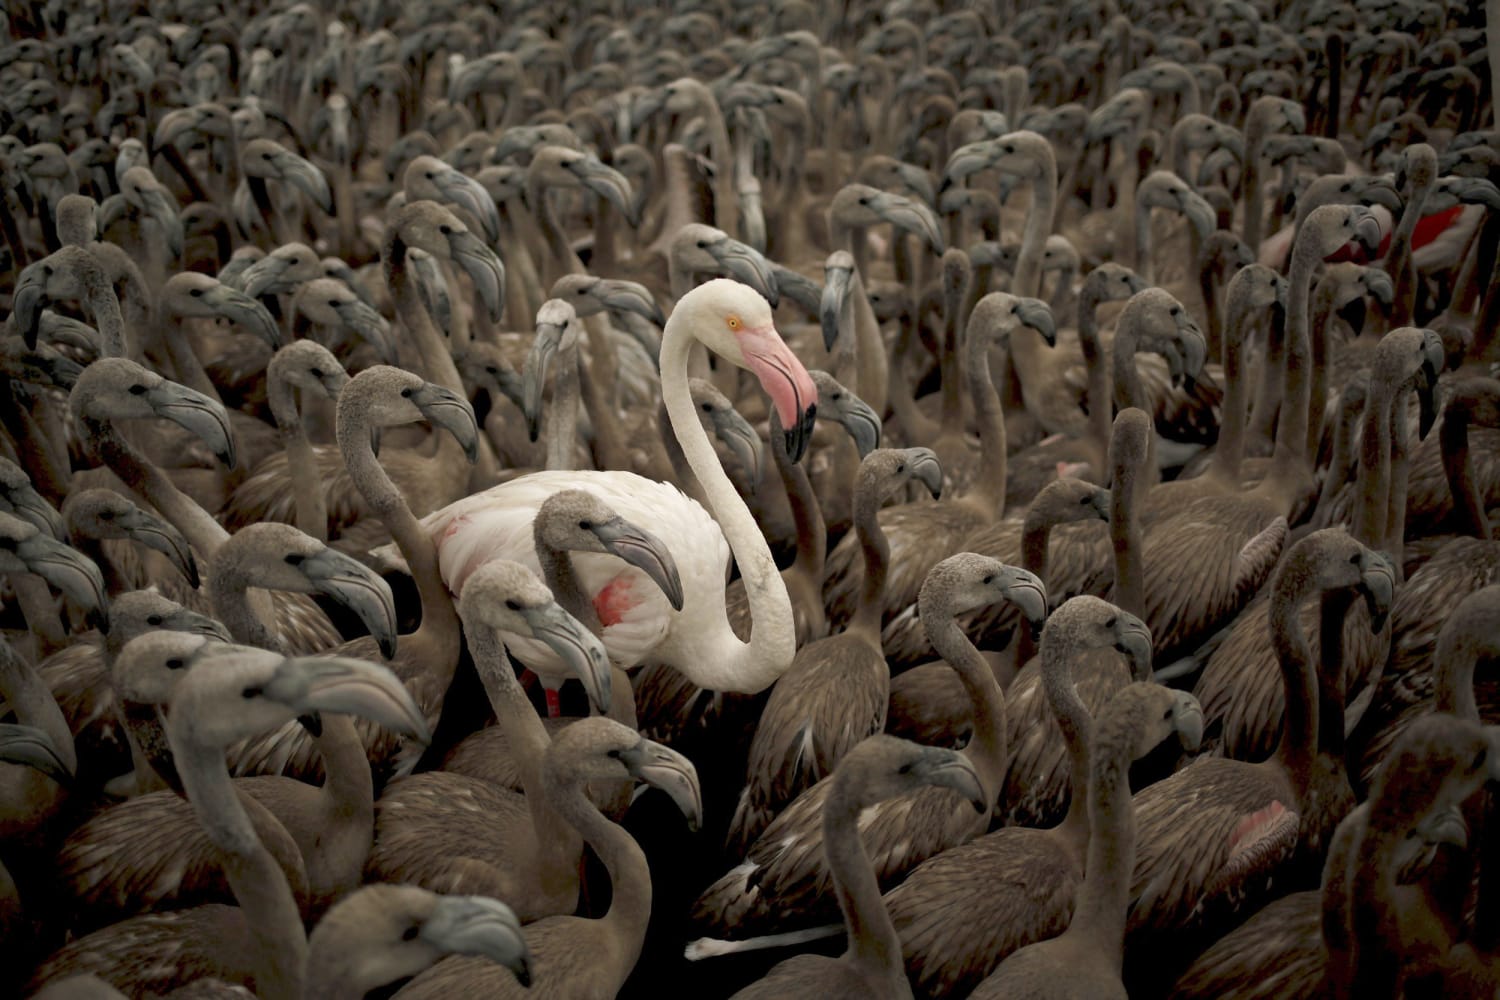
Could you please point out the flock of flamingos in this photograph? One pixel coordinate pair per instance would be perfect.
(749, 497)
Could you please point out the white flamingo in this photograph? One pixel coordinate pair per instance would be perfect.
(735, 322)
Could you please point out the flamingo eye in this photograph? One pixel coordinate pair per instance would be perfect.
(513, 605)
(1111, 622)
(734, 323)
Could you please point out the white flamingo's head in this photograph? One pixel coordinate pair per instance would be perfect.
(735, 322)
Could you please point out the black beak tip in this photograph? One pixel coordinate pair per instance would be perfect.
(387, 645)
(98, 619)
(191, 572)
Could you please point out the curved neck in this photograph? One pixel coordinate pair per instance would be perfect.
(562, 411)
(1038, 228)
(1229, 453)
(987, 750)
(346, 800)
(1125, 536)
(302, 465)
(1333, 609)
(877, 553)
(873, 943)
(872, 369)
(1099, 912)
(919, 428)
(1100, 405)
(772, 639)
(988, 490)
(438, 637)
(1458, 467)
(278, 945)
(197, 526)
(1289, 455)
(436, 358)
(230, 577)
(807, 517)
(1075, 722)
(1299, 732)
(1394, 538)
(630, 883)
(1372, 484)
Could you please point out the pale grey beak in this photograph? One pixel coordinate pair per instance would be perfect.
(33, 748)
(483, 268)
(836, 284)
(670, 771)
(926, 469)
(358, 588)
(447, 409)
(240, 308)
(195, 413)
(347, 686)
(305, 176)
(578, 648)
(1038, 315)
(950, 769)
(645, 552)
(1027, 592)
(1189, 721)
(70, 571)
(482, 927)
(155, 533)
(745, 263)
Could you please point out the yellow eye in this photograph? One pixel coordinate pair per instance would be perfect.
(734, 323)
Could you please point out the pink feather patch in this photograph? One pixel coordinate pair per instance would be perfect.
(1253, 826)
(616, 599)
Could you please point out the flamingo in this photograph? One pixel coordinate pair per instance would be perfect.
(735, 322)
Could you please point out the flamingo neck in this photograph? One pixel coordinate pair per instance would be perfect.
(1229, 453)
(987, 750)
(872, 370)
(307, 492)
(988, 491)
(1099, 403)
(1299, 732)
(756, 664)
(1290, 474)
(1458, 467)
(346, 804)
(873, 943)
(277, 943)
(1099, 913)
(1074, 720)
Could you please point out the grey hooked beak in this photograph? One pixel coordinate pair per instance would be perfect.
(447, 409)
(799, 436)
(193, 623)
(740, 438)
(369, 324)
(919, 181)
(1379, 285)
(1099, 500)
(1038, 315)
(517, 139)
(66, 331)
(925, 468)
(534, 373)
(358, 588)
(1199, 212)
(264, 276)
(912, 216)
(578, 648)
(240, 308)
(1478, 191)
(195, 413)
(155, 533)
(863, 425)
(747, 264)
(1027, 592)
(608, 183)
(1379, 191)
(1189, 721)
(645, 552)
(31, 507)
(1133, 638)
(1378, 584)
(968, 160)
(33, 748)
(470, 195)
(1434, 358)
(1367, 234)
(71, 572)
(43, 366)
(798, 287)
(1194, 349)
(1445, 826)
(305, 176)
(483, 268)
(347, 686)
(629, 296)
(836, 284)
(162, 209)
(951, 769)
(27, 301)
(482, 927)
(670, 771)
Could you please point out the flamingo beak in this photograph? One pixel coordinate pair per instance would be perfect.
(670, 771)
(1189, 719)
(154, 533)
(578, 648)
(950, 769)
(863, 426)
(447, 409)
(482, 927)
(927, 470)
(33, 748)
(836, 284)
(70, 571)
(347, 686)
(356, 587)
(645, 552)
(787, 382)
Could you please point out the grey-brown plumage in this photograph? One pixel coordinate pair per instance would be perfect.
(1212, 834)
(450, 832)
(783, 879)
(877, 769)
(573, 958)
(836, 691)
(961, 913)
(1086, 959)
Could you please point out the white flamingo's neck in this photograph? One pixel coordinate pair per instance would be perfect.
(756, 664)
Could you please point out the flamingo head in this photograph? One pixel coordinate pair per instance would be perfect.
(735, 322)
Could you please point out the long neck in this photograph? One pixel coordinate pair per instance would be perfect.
(1453, 436)
(1394, 538)
(872, 369)
(1075, 722)
(346, 801)
(772, 639)
(110, 321)
(230, 579)
(557, 841)
(1099, 913)
(1255, 134)
(1141, 226)
(987, 750)
(276, 938)
(1373, 481)
(877, 553)
(307, 491)
(30, 698)
(1398, 260)
(1230, 451)
(562, 414)
(1038, 228)
(202, 531)
(919, 428)
(599, 384)
(438, 636)
(630, 882)
(1321, 347)
(1289, 456)
(436, 358)
(1125, 537)
(807, 517)
(558, 574)
(1036, 531)
(1334, 917)
(873, 944)
(1099, 402)
(988, 491)
(1299, 732)
(1375, 908)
